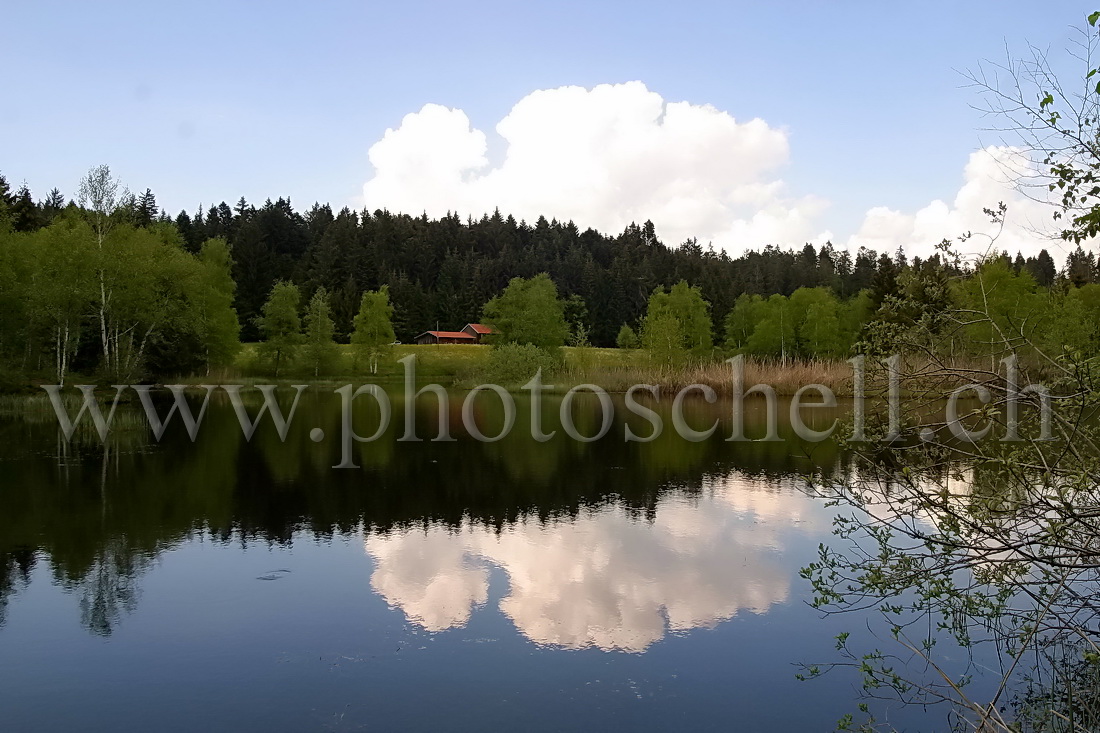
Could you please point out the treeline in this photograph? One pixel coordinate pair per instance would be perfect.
(184, 287)
(96, 291)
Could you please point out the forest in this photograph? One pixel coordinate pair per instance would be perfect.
(106, 283)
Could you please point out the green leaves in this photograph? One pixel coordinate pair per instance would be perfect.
(677, 322)
(320, 351)
(374, 325)
(215, 320)
(528, 312)
(280, 325)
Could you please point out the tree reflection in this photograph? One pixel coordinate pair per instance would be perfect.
(98, 515)
(15, 573)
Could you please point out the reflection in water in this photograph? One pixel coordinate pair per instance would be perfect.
(609, 577)
(15, 574)
(109, 588)
(97, 516)
(609, 545)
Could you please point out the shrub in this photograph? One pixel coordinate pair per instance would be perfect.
(512, 365)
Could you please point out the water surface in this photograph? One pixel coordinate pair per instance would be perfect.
(236, 585)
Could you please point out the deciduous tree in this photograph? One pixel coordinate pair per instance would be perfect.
(528, 311)
(373, 332)
(280, 326)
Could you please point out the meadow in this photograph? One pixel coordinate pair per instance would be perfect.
(616, 370)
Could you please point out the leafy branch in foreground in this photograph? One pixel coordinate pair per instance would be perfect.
(975, 532)
(981, 528)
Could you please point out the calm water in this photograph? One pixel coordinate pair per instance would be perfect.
(234, 585)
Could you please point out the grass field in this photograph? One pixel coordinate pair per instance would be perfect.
(434, 360)
(613, 369)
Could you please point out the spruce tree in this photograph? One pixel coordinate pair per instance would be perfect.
(24, 213)
(627, 339)
(145, 209)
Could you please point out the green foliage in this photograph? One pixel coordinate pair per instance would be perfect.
(320, 350)
(812, 323)
(575, 311)
(373, 332)
(1079, 320)
(513, 365)
(1008, 302)
(56, 287)
(215, 320)
(627, 339)
(677, 324)
(280, 325)
(742, 319)
(776, 330)
(528, 312)
(817, 312)
(443, 271)
(146, 276)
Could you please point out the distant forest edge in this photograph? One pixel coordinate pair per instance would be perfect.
(107, 284)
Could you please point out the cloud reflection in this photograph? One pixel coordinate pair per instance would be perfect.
(607, 578)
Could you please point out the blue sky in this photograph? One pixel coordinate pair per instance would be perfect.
(209, 101)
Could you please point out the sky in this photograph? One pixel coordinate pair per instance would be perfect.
(741, 124)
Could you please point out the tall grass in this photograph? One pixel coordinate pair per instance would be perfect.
(129, 426)
(785, 377)
(433, 360)
(612, 369)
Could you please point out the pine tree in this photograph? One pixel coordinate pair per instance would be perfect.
(24, 213)
(1080, 268)
(884, 283)
(1044, 270)
(5, 203)
(145, 209)
(52, 206)
(627, 338)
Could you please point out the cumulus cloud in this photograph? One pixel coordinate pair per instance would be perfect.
(605, 578)
(602, 157)
(988, 179)
(408, 568)
(620, 153)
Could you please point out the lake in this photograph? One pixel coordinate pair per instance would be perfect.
(225, 584)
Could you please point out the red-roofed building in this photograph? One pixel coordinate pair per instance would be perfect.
(478, 331)
(446, 337)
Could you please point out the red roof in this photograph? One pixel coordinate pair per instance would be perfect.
(449, 334)
(478, 328)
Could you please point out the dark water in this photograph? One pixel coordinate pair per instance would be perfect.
(235, 585)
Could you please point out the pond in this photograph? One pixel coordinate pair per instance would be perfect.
(233, 584)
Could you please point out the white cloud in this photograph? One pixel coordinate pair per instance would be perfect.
(987, 180)
(605, 578)
(407, 571)
(614, 154)
(603, 157)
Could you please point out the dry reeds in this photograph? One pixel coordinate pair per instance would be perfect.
(786, 377)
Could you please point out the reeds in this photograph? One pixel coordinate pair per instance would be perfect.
(786, 377)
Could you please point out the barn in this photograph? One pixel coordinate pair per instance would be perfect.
(446, 337)
(478, 331)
